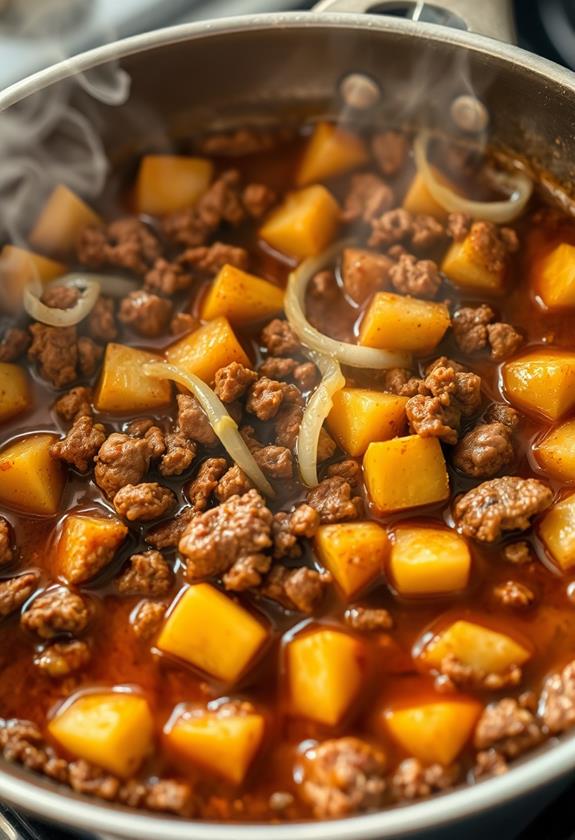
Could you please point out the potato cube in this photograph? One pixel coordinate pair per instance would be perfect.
(223, 743)
(462, 265)
(405, 472)
(17, 268)
(168, 183)
(212, 632)
(557, 530)
(114, 730)
(434, 732)
(419, 201)
(428, 561)
(61, 222)
(241, 297)
(123, 387)
(330, 151)
(542, 381)
(207, 349)
(304, 224)
(354, 552)
(360, 416)
(396, 322)
(364, 273)
(556, 452)
(325, 670)
(87, 544)
(30, 479)
(15, 394)
(482, 649)
(555, 277)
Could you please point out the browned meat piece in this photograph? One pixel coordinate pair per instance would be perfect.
(55, 349)
(274, 461)
(469, 327)
(367, 198)
(430, 417)
(558, 700)
(167, 534)
(147, 618)
(300, 589)
(144, 428)
(518, 553)
(306, 376)
(489, 763)
(402, 382)
(334, 500)
(411, 276)
(492, 245)
(146, 574)
(232, 381)
(80, 446)
(209, 259)
(60, 659)
(87, 779)
(15, 591)
(89, 355)
(412, 780)
(102, 321)
(458, 225)
(204, 484)
(368, 618)
(502, 504)
(348, 469)
(244, 141)
(167, 278)
(183, 322)
(502, 413)
(389, 149)
(57, 610)
(447, 392)
(267, 395)
(513, 593)
(169, 796)
(234, 482)
(286, 425)
(400, 226)
(126, 243)
(234, 530)
(121, 460)
(304, 521)
(22, 743)
(143, 502)
(179, 455)
(258, 199)
(484, 451)
(74, 404)
(343, 776)
(146, 313)
(508, 727)
(193, 421)
(450, 381)
(279, 339)
(60, 297)
(364, 272)
(504, 340)
(467, 677)
(6, 550)
(247, 572)
(13, 344)
(276, 367)
(287, 527)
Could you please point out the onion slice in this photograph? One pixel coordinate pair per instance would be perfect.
(348, 354)
(517, 184)
(318, 407)
(54, 317)
(223, 425)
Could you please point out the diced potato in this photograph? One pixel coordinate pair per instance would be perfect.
(224, 744)
(396, 322)
(168, 183)
(557, 530)
(542, 381)
(353, 552)
(434, 732)
(241, 297)
(428, 561)
(360, 416)
(17, 268)
(330, 151)
(364, 273)
(304, 224)
(87, 544)
(325, 674)
(30, 479)
(482, 649)
(61, 222)
(212, 632)
(556, 452)
(114, 730)
(405, 472)
(555, 279)
(207, 349)
(123, 387)
(15, 394)
(419, 201)
(462, 265)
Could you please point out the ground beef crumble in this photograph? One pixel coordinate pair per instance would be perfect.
(364, 272)
(368, 619)
(74, 404)
(508, 727)
(557, 704)
(81, 444)
(334, 500)
(447, 393)
(367, 198)
(178, 455)
(475, 329)
(412, 780)
(300, 589)
(390, 149)
(13, 344)
(279, 339)
(60, 659)
(121, 460)
(102, 320)
(147, 618)
(466, 676)
(15, 591)
(400, 226)
(146, 574)
(518, 553)
(209, 259)
(193, 421)
(143, 502)
(484, 451)
(57, 610)
(6, 549)
(126, 243)
(232, 381)
(146, 313)
(514, 594)
(411, 276)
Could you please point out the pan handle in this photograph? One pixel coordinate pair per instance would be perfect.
(485, 17)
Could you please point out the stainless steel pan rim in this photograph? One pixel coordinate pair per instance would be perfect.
(553, 762)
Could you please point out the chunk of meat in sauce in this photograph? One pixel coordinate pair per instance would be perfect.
(279, 339)
(60, 659)
(299, 589)
(411, 276)
(146, 313)
(147, 618)
(508, 727)
(81, 444)
(368, 619)
(234, 482)
(179, 454)
(126, 243)
(390, 149)
(167, 278)
(143, 502)
(55, 611)
(400, 226)
(367, 198)
(55, 349)
(13, 344)
(484, 451)
(334, 500)
(558, 700)
(121, 460)
(204, 484)
(148, 573)
(413, 780)
(364, 272)
(303, 521)
(102, 320)
(75, 403)
(475, 329)
(167, 534)
(15, 591)
(514, 594)
(209, 259)
(466, 676)
(6, 542)
(193, 421)
(232, 381)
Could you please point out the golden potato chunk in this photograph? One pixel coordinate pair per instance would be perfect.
(15, 394)
(168, 183)
(557, 530)
(330, 151)
(462, 265)
(360, 416)
(396, 322)
(405, 472)
(208, 349)
(241, 297)
(542, 381)
(114, 730)
(325, 671)
(304, 224)
(354, 552)
(555, 280)
(17, 268)
(428, 561)
(210, 631)
(419, 201)
(61, 222)
(87, 544)
(434, 732)
(30, 479)
(556, 452)
(482, 649)
(123, 387)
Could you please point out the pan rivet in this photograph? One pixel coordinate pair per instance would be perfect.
(469, 114)
(359, 91)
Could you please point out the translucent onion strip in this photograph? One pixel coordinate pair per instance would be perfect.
(316, 411)
(345, 353)
(223, 425)
(517, 184)
(89, 292)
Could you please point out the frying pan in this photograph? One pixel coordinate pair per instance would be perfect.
(271, 66)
